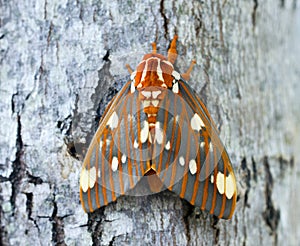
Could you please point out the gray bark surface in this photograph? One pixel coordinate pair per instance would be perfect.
(56, 74)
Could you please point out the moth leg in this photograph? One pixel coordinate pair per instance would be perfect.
(172, 52)
(154, 48)
(186, 75)
(129, 68)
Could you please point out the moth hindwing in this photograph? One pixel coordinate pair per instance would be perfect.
(157, 126)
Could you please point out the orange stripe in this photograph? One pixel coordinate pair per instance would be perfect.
(103, 168)
(207, 158)
(121, 165)
(232, 206)
(186, 169)
(96, 182)
(230, 170)
(165, 130)
(227, 165)
(199, 110)
(129, 168)
(132, 138)
(171, 142)
(178, 140)
(149, 157)
(213, 204)
(206, 112)
(196, 184)
(139, 135)
(111, 181)
(89, 190)
(89, 200)
(153, 153)
(173, 169)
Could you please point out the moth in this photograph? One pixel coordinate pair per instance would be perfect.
(157, 125)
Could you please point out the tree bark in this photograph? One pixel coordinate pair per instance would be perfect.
(62, 62)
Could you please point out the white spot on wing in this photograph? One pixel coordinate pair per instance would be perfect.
(158, 133)
(123, 158)
(113, 120)
(212, 179)
(132, 88)
(211, 147)
(230, 186)
(196, 122)
(228, 181)
(132, 76)
(181, 161)
(168, 145)
(202, 144)
(114, 164)
(193, 166)
(175, 88)
(84, 180)
(145, 132)
(92, 176)
(176, 75)
(220, 183)
(135, 144)
(150, 135)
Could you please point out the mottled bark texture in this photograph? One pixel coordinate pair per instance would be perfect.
(61, 63)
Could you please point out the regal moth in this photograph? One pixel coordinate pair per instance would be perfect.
(157, 125)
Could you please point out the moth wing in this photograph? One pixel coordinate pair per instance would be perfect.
(115, 160)
(192, 161)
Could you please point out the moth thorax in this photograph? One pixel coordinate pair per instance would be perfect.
(154, 70)
(151, 97)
